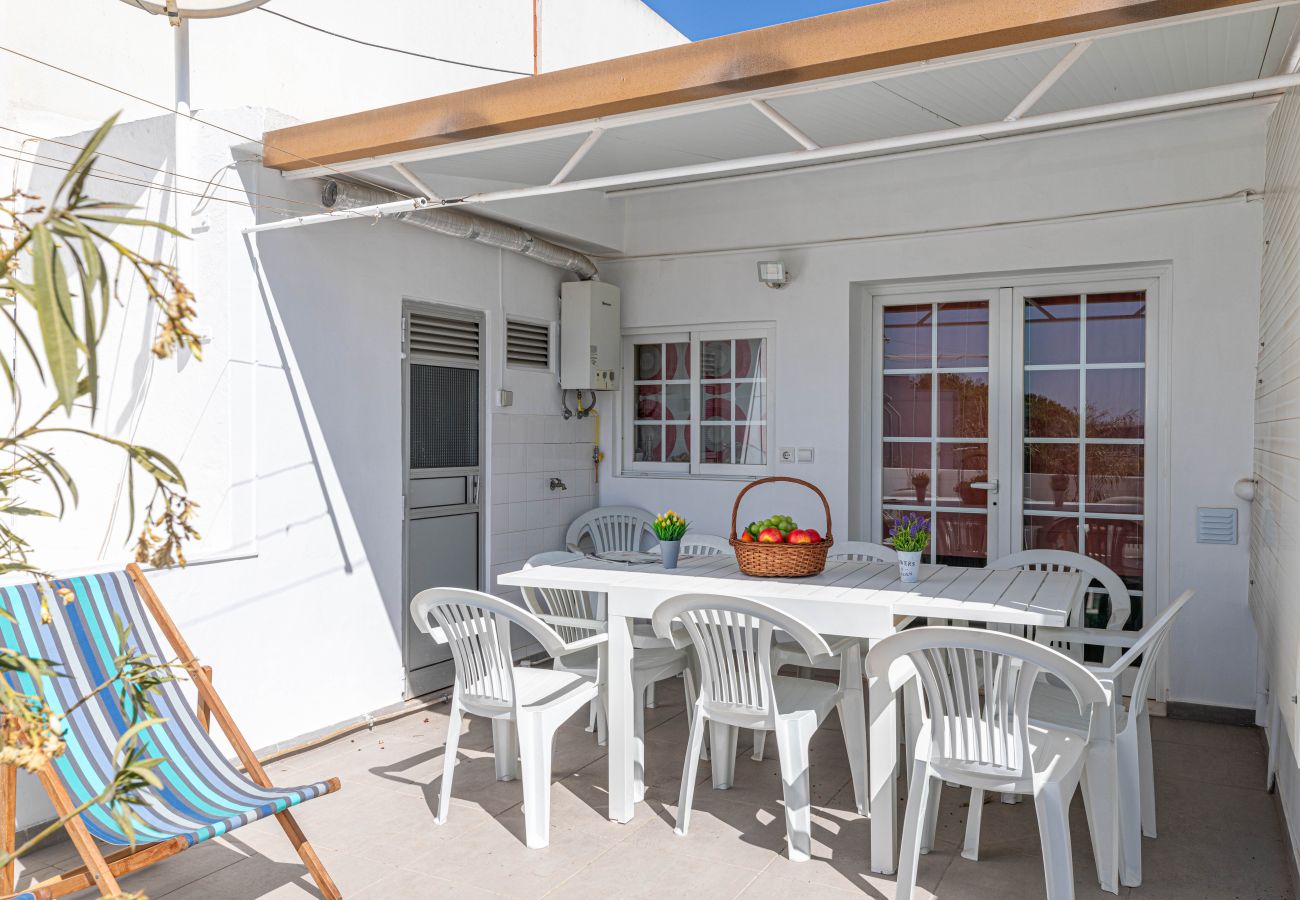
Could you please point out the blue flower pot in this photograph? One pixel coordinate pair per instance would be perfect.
(670, 550)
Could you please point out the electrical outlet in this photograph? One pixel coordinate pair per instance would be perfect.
(787, 455)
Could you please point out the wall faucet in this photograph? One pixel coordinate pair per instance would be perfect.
(558, 485)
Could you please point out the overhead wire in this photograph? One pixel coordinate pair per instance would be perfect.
(208, 182)
(345, 37)
(190, 115)
(120, 178)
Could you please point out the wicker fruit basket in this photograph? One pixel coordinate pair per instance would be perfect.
(780, 560)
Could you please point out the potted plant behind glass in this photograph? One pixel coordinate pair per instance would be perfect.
(909, 535)
(669, 528)
(920, 481)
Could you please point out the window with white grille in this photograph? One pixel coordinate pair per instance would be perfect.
(697, 402)
(528, 344)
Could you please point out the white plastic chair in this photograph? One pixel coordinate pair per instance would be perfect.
(787, 652)
(1052, 705)
(732, 637)
(976, 732)
(526, 705)
(702, 545)
(1121, 603)
(576, 615)
(610, 528)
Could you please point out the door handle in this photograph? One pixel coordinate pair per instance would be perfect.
(474, 489)
(991, 486)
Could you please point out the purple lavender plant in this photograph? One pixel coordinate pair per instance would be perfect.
(909, 532)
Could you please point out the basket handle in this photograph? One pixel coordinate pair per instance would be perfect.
(735, 507)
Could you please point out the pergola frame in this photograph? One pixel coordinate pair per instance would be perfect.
(1018, 120)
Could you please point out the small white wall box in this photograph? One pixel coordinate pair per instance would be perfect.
(591, 343)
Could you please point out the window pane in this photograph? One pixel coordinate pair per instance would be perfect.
(1117, 327)
(677, 438)
(1116, 402)
(907, 336)
(751, 445)
(649, 444)
(715, 359)
(963, 405)
(678, 407)
(963, 335)
(1114, 476)
(749, 401)
(749, 358)
(1052, 533)
(715, 444)
(905, 477)
(1051, 476)
(961, 539)
(1052, 404)
(677, 362)
(717, 403)
(959, 465)
(649, 361)
(1051, 330)
(1116, 542)
(907, 405)
(649, 401)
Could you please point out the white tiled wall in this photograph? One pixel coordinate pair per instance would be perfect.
(527, 516)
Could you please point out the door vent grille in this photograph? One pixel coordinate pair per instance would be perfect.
(443, 336)
(528, 344)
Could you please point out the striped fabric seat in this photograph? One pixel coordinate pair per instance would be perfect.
(203, 795)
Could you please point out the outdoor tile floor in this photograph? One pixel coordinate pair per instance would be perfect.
(1220, 836)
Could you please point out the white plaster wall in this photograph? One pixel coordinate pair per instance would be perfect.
(1213, 250)
(256, 59)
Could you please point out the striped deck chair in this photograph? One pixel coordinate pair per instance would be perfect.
(203, 794)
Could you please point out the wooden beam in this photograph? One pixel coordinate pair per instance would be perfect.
(843, 43)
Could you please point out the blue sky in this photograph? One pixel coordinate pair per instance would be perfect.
(700, 19)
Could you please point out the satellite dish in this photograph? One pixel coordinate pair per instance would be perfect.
(195, 9)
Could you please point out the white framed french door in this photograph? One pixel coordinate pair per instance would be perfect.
(1019, 413)
(936, 406)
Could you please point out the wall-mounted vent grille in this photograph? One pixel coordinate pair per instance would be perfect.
(1216, 526)
(443, 336)
(528, 344)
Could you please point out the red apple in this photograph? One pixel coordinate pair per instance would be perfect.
(770, 536)
(814, 537)
(799, 536)
(746, 537)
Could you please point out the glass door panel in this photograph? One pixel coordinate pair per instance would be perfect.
(934, 405)
(1084, 431)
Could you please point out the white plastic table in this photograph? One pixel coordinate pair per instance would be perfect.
(854, 599)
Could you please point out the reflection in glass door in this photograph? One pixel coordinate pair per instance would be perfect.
(933, 421)
(1084, 430)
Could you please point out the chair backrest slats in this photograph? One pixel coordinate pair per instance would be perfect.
(610, 528)
(977, 686)
(733, 641)
(862, 551)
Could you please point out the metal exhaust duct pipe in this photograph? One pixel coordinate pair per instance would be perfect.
(457, 224)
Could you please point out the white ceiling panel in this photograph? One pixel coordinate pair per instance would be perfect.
(978, 92)
(535, 162)
(860, 112)
(703, 137)
(1165, 60)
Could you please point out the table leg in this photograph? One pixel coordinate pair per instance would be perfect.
(626, 772)
(882, 775)
(854, 721)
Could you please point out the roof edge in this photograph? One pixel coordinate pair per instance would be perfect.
(887, 34)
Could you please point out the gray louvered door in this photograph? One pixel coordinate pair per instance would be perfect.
(443, 438)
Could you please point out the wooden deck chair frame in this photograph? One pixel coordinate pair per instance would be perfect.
(100, 871)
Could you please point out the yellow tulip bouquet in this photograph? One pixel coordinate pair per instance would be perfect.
(670, 527)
